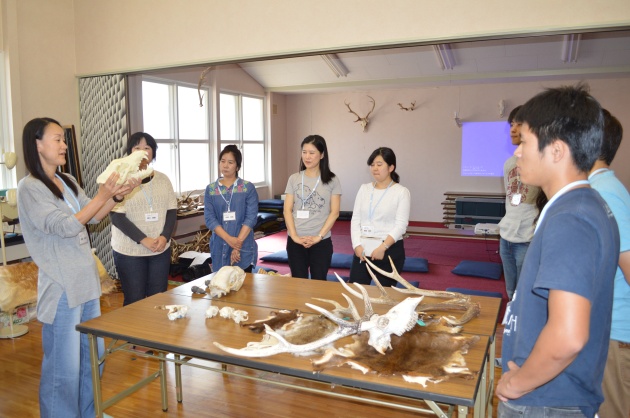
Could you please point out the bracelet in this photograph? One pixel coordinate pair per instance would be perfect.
(385, 245)
(116, 199)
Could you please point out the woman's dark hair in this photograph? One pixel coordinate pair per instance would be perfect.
(390, 159)
(33, 132)
(238, 157)
(324, 167)
(135, 140)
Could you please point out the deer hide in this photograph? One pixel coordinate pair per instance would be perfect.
(419, 356)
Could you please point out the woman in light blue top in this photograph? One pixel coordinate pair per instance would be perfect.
(231, 210)
(53, 212)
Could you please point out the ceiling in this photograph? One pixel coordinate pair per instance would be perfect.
(598, 55)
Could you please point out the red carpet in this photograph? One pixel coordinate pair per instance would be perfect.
(443, 255)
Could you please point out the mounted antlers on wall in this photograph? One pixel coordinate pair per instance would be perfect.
(363, 120)
(202, 78)
(411, 107)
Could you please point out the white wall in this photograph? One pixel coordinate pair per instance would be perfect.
(426, 141)
(122, 35)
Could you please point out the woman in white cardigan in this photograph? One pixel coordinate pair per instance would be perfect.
(379, 219)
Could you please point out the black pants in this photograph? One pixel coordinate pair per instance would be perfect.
(359, 272)
(316, 258)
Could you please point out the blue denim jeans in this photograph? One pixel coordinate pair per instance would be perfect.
(141, 277)
(510, 410)
(65, 387)
(512, 256)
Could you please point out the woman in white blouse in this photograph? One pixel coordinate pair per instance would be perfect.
(379, 219)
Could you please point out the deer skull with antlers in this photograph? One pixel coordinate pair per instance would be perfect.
(363, 120)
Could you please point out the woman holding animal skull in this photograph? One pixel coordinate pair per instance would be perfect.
(379, 220)
(231, 212)
(53, 213)
(142, 225)
(311, 207)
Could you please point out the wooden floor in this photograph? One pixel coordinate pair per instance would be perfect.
(205, 393)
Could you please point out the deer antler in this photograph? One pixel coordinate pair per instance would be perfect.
(363, 120)
(411, 107)
(202, 78)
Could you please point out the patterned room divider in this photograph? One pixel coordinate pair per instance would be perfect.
(103, 107)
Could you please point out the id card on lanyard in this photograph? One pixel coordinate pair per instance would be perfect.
(83, 236)
(305, 213)
(228, 215)
(149, 216)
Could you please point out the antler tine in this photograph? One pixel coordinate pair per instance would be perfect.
(352, 111)
(352, 307)
(472, 310)
(393, 275)
(373, 106)
(202, 78)
(369, 311)
(329, 315)
(377, 282)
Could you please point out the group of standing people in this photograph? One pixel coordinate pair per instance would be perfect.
(567, 259)
(566, 248)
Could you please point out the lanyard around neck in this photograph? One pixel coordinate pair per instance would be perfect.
(148, 198)
(555, 197)
(312, 191)
(371, 210)
(65, 188)
(231, 193)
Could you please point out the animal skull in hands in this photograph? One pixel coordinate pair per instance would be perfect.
(228, 278)
(128, 167)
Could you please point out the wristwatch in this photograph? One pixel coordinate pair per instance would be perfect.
(117, 200)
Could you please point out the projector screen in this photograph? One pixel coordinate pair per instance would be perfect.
(485, 147)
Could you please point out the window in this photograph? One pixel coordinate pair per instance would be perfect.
(7, 176)
(172, 115)
(242, 122)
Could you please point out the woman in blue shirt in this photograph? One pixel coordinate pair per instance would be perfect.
(231, 209)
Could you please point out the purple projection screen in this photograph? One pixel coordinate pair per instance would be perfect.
(485, 147)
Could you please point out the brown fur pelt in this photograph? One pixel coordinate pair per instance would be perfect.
(18, 283)
(419, 356)
(276, 320)
(307, 329)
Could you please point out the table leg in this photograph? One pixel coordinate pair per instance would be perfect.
(178, 379)
(163, 382)
(96, 376)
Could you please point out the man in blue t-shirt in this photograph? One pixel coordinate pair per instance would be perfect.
(557, 329)
(616, 385)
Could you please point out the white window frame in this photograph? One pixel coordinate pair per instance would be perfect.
(175, 140)
(239, 132)
(8, 177)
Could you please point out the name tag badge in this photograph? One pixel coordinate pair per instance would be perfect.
(302, 214)
(516, 199)
(367, 230)
(229, 216)
(151, 217)
(83, 238)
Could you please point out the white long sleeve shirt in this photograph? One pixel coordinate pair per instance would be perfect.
(387, 214)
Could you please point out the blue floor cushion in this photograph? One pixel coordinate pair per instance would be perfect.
(482, 269)
(416, 264)
(341, 261)
(277, 257)
(333, 278)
